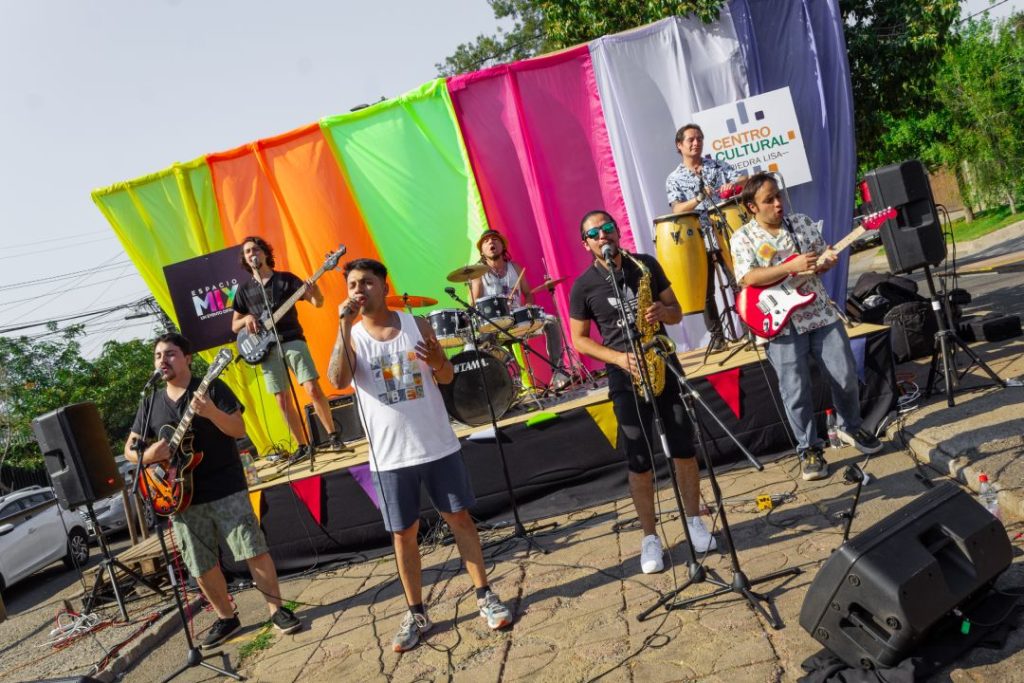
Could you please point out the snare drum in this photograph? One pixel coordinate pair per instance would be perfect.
(450, 326)
(527, 321)
(679, 246)
(495, 308)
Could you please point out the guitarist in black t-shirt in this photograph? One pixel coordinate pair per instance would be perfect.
(249, 305)
(593, 300)
(220, 511)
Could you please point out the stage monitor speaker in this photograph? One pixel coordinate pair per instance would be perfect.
(913, 239)
(879, 594)
(77, 454)
(345, 415)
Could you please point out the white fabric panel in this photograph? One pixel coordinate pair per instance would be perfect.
(651, 81)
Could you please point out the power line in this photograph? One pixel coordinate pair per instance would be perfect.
(62, 276)
(990, 7)
(57, 248)
(65, 291)
(57, 239)
(77, 316)
(72, 286)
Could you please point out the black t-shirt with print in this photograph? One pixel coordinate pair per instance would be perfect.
(279, 287)
(220, 473)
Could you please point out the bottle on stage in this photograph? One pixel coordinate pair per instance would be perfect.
(987, 495)
(833, 429)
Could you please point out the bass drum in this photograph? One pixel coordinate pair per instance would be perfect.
(679, 246)
(464, 396)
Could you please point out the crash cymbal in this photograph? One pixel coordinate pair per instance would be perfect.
(548, 284)
(409, 301)
(467, 273)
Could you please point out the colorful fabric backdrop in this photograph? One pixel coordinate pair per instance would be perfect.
(526, 148)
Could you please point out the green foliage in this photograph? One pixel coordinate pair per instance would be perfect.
(571, 22)
(40, 375)
(525, 39)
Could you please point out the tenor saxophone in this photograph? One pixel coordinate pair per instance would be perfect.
(644, 299)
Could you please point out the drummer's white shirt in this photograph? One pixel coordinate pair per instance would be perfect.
(400, 404)
(495, 285)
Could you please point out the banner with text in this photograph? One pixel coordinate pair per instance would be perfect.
(202, 290)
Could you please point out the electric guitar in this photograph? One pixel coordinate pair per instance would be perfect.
(254, 347)
(767, 309)
(168, 484)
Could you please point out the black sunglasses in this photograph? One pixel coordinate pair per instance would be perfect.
(593, 233)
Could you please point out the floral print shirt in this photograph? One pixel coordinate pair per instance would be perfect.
(683, 184)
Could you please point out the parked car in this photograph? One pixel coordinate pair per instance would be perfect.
(872, 239)
(110, 511)
(35, 531)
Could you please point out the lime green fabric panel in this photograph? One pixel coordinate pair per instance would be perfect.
(409, 171)
(172, 216)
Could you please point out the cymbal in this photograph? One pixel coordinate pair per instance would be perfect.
(548, 284)
(467, 273)
(409, 301)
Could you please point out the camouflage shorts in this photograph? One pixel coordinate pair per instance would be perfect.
(201, 528)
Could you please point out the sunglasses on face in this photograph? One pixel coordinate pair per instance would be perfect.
(594, 233)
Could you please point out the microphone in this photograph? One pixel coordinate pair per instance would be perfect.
(450, 291)
(607, 252)
(660, 343)
(254, 261)
(153, 379)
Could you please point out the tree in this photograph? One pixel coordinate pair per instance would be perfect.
(526, 39)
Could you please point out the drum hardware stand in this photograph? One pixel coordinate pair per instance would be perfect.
(195, 656)
(740, 584)
(577, 370)
(520, 531)
(945, 339)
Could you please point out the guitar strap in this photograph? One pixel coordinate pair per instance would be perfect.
(796, 242)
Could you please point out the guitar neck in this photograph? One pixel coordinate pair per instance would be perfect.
(294, 298)
(186, 419)
(849, 239)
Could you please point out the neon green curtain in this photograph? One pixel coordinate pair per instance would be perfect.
(172, 216)
(407, 165)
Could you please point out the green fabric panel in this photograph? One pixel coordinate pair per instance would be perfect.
(172, 216)
(409, 171)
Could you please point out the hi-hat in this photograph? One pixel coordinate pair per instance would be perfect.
(409, 301)
(467, 273)
(548, 284)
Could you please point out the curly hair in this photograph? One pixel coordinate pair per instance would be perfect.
(262, 244)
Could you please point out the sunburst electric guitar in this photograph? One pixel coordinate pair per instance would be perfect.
(168, 484)
(767, 309)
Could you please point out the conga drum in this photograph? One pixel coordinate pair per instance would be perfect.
(679, 247)
(735, 218)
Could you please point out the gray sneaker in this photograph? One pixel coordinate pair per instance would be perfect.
(414, 625)
(494, 611)
(812, 464)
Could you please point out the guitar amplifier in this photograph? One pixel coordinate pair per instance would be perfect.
(344, 412)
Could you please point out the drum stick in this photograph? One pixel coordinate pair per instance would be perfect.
(518, 280)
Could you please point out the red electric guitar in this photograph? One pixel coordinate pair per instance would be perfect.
(168, 485)
(767, 309)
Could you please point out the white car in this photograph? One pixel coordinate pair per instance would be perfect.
(110, 512)
(35, 532)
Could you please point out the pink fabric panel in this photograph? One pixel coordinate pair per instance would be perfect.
(540, 151)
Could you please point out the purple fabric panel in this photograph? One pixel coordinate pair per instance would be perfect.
(859, 348)
(361, 473)
(800, 44)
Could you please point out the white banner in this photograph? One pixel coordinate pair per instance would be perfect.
(758, 133)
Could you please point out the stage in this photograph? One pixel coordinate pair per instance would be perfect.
(561, 459)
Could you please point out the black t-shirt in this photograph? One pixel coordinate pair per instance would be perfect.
(220, 473)
(593, 298)
(279, 287)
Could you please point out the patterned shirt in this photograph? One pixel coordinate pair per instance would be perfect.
(754, 247)
(682, 184)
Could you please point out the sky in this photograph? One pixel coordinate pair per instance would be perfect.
(95, 92)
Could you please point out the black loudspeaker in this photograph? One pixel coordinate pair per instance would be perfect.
(345, 414)
(913, 239)
(77, 454)
(879, 594)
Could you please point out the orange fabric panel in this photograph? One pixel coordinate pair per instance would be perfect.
(290, 191)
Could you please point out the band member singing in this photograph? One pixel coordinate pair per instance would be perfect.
(394, 362)
(593, 300)
(694, 186)
(249, 306)
(220, 511)
(501, 279)
(758, 251)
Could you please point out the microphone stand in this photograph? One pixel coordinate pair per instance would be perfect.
(575, 363)
(740, 584)
(195, 656)
(852, 474)
(520, 531)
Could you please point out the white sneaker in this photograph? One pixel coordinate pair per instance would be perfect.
(702, 539)
(651, 555)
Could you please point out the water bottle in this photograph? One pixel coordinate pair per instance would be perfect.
(251, 476)
(833, 429)
(987, 495)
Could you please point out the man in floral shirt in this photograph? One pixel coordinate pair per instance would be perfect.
(693, 186)
(759, 251)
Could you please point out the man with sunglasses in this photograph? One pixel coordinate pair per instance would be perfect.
(593, 300)
(694, 185)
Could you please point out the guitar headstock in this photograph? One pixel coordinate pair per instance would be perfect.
(220, 362)
(331, 261)
(874, 220)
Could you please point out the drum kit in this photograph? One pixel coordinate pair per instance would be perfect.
(508, 382)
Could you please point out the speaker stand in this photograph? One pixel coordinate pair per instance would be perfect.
(109, 566)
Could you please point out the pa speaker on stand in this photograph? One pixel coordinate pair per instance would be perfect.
(77, 454)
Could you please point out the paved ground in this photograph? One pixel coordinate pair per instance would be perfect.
(576, 606)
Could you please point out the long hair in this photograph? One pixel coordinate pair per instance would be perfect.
(262, 244)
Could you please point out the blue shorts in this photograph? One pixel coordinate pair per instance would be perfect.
(398, 491)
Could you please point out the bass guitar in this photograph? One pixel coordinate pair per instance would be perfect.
(253, 347)
(767, 309)
(168, 484)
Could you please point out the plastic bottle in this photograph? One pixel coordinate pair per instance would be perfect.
(833, 429)
(251, 476)
(987, 495)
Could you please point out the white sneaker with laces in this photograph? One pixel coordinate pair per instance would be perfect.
(651, 555)
(702, 539)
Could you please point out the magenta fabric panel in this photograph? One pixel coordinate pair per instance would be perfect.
(542, 158)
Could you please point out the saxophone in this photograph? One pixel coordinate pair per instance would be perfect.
(644, 299)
